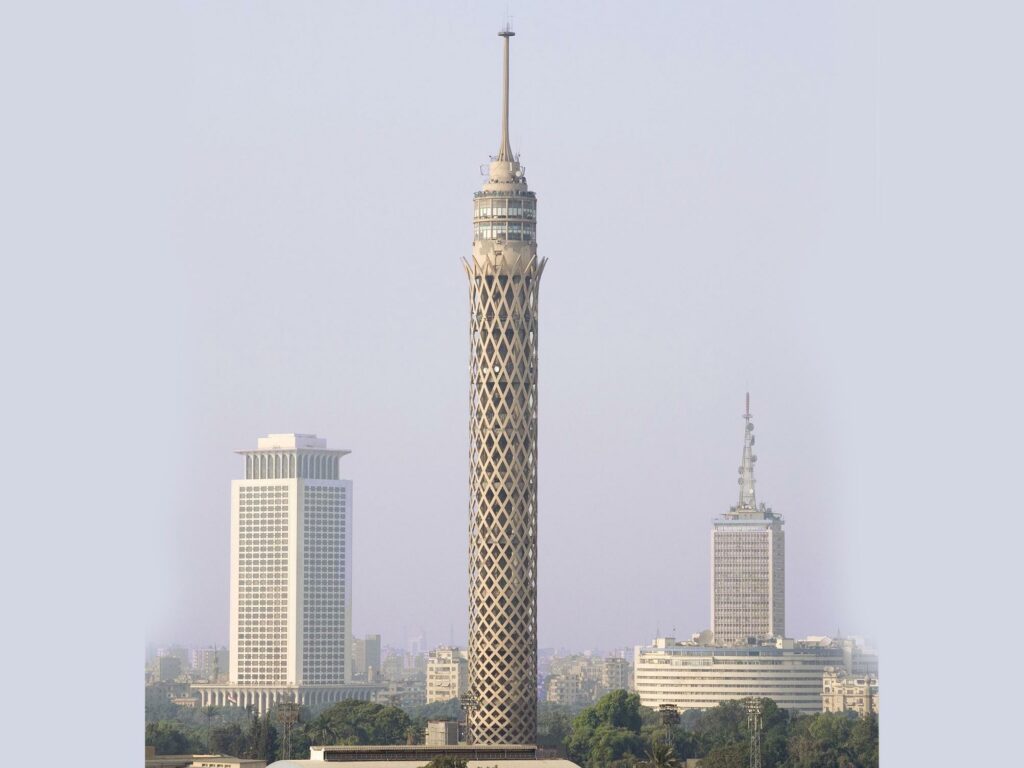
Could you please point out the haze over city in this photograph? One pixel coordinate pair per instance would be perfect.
(700, 193)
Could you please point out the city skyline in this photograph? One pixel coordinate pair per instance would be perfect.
(658, 422)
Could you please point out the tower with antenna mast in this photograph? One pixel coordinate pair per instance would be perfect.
(504, 279)
(748, 589)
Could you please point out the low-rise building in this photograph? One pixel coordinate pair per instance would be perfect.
(693, 676)
(845, 692)
(441, 733)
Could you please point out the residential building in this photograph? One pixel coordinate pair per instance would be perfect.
(748, 562)
(845, 692)
(447, 674)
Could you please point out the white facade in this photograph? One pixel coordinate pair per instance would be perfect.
(748, 563)
(447, 674)
(693, 676)
(291, 583)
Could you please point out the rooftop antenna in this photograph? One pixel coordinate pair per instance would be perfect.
(505, 150)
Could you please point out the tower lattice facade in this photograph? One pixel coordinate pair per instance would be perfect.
(504, 277)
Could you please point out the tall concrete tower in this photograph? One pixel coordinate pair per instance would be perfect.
(748, 562)
(504, 276)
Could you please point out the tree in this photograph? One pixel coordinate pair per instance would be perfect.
(169, 739)
(735, 755)
(228, 740)
(661, 755)
(554, 724)
(358, 722)
(607, 732)
(263, 739)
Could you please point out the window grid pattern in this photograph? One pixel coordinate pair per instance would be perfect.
(323, 585)
(263, 584)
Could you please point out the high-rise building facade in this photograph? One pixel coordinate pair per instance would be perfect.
(504, 277)
(291, 578)
(748, 561)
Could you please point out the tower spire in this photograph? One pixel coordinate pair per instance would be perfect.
(748, 499)
(505, 150)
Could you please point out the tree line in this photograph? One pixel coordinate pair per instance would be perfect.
(616, 732)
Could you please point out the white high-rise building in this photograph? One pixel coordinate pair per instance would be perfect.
(291, 578)
(748, 563)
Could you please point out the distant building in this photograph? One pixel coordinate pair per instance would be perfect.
(748, 563)
(179, 652)
(401, 693)
(166, 669)
(291, 578)
(844, 692)
(447, 674)
(617, 674)
(580, 679)
(366, 658)
(209, 663)
(572, 689)
(693, 676)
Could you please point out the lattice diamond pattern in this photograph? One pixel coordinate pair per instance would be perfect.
(503, 496)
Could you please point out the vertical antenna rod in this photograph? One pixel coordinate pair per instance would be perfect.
(505, 150)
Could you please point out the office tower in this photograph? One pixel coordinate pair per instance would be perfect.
(748, 559)
(291, 582)
(504, 276)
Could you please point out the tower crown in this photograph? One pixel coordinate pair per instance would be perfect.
(505, 210)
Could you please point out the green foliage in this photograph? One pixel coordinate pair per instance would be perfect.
(228, 740)
(358, 722)
(554, 724)
(263, 740)
(660, 755)
(607, 732)
(831, 740)
(438, 710)
(727, 756)
(170, 739)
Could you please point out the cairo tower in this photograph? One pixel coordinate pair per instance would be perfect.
(504, 277)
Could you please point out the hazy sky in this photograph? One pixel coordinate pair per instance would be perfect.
(219, 220)
(705, 175)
